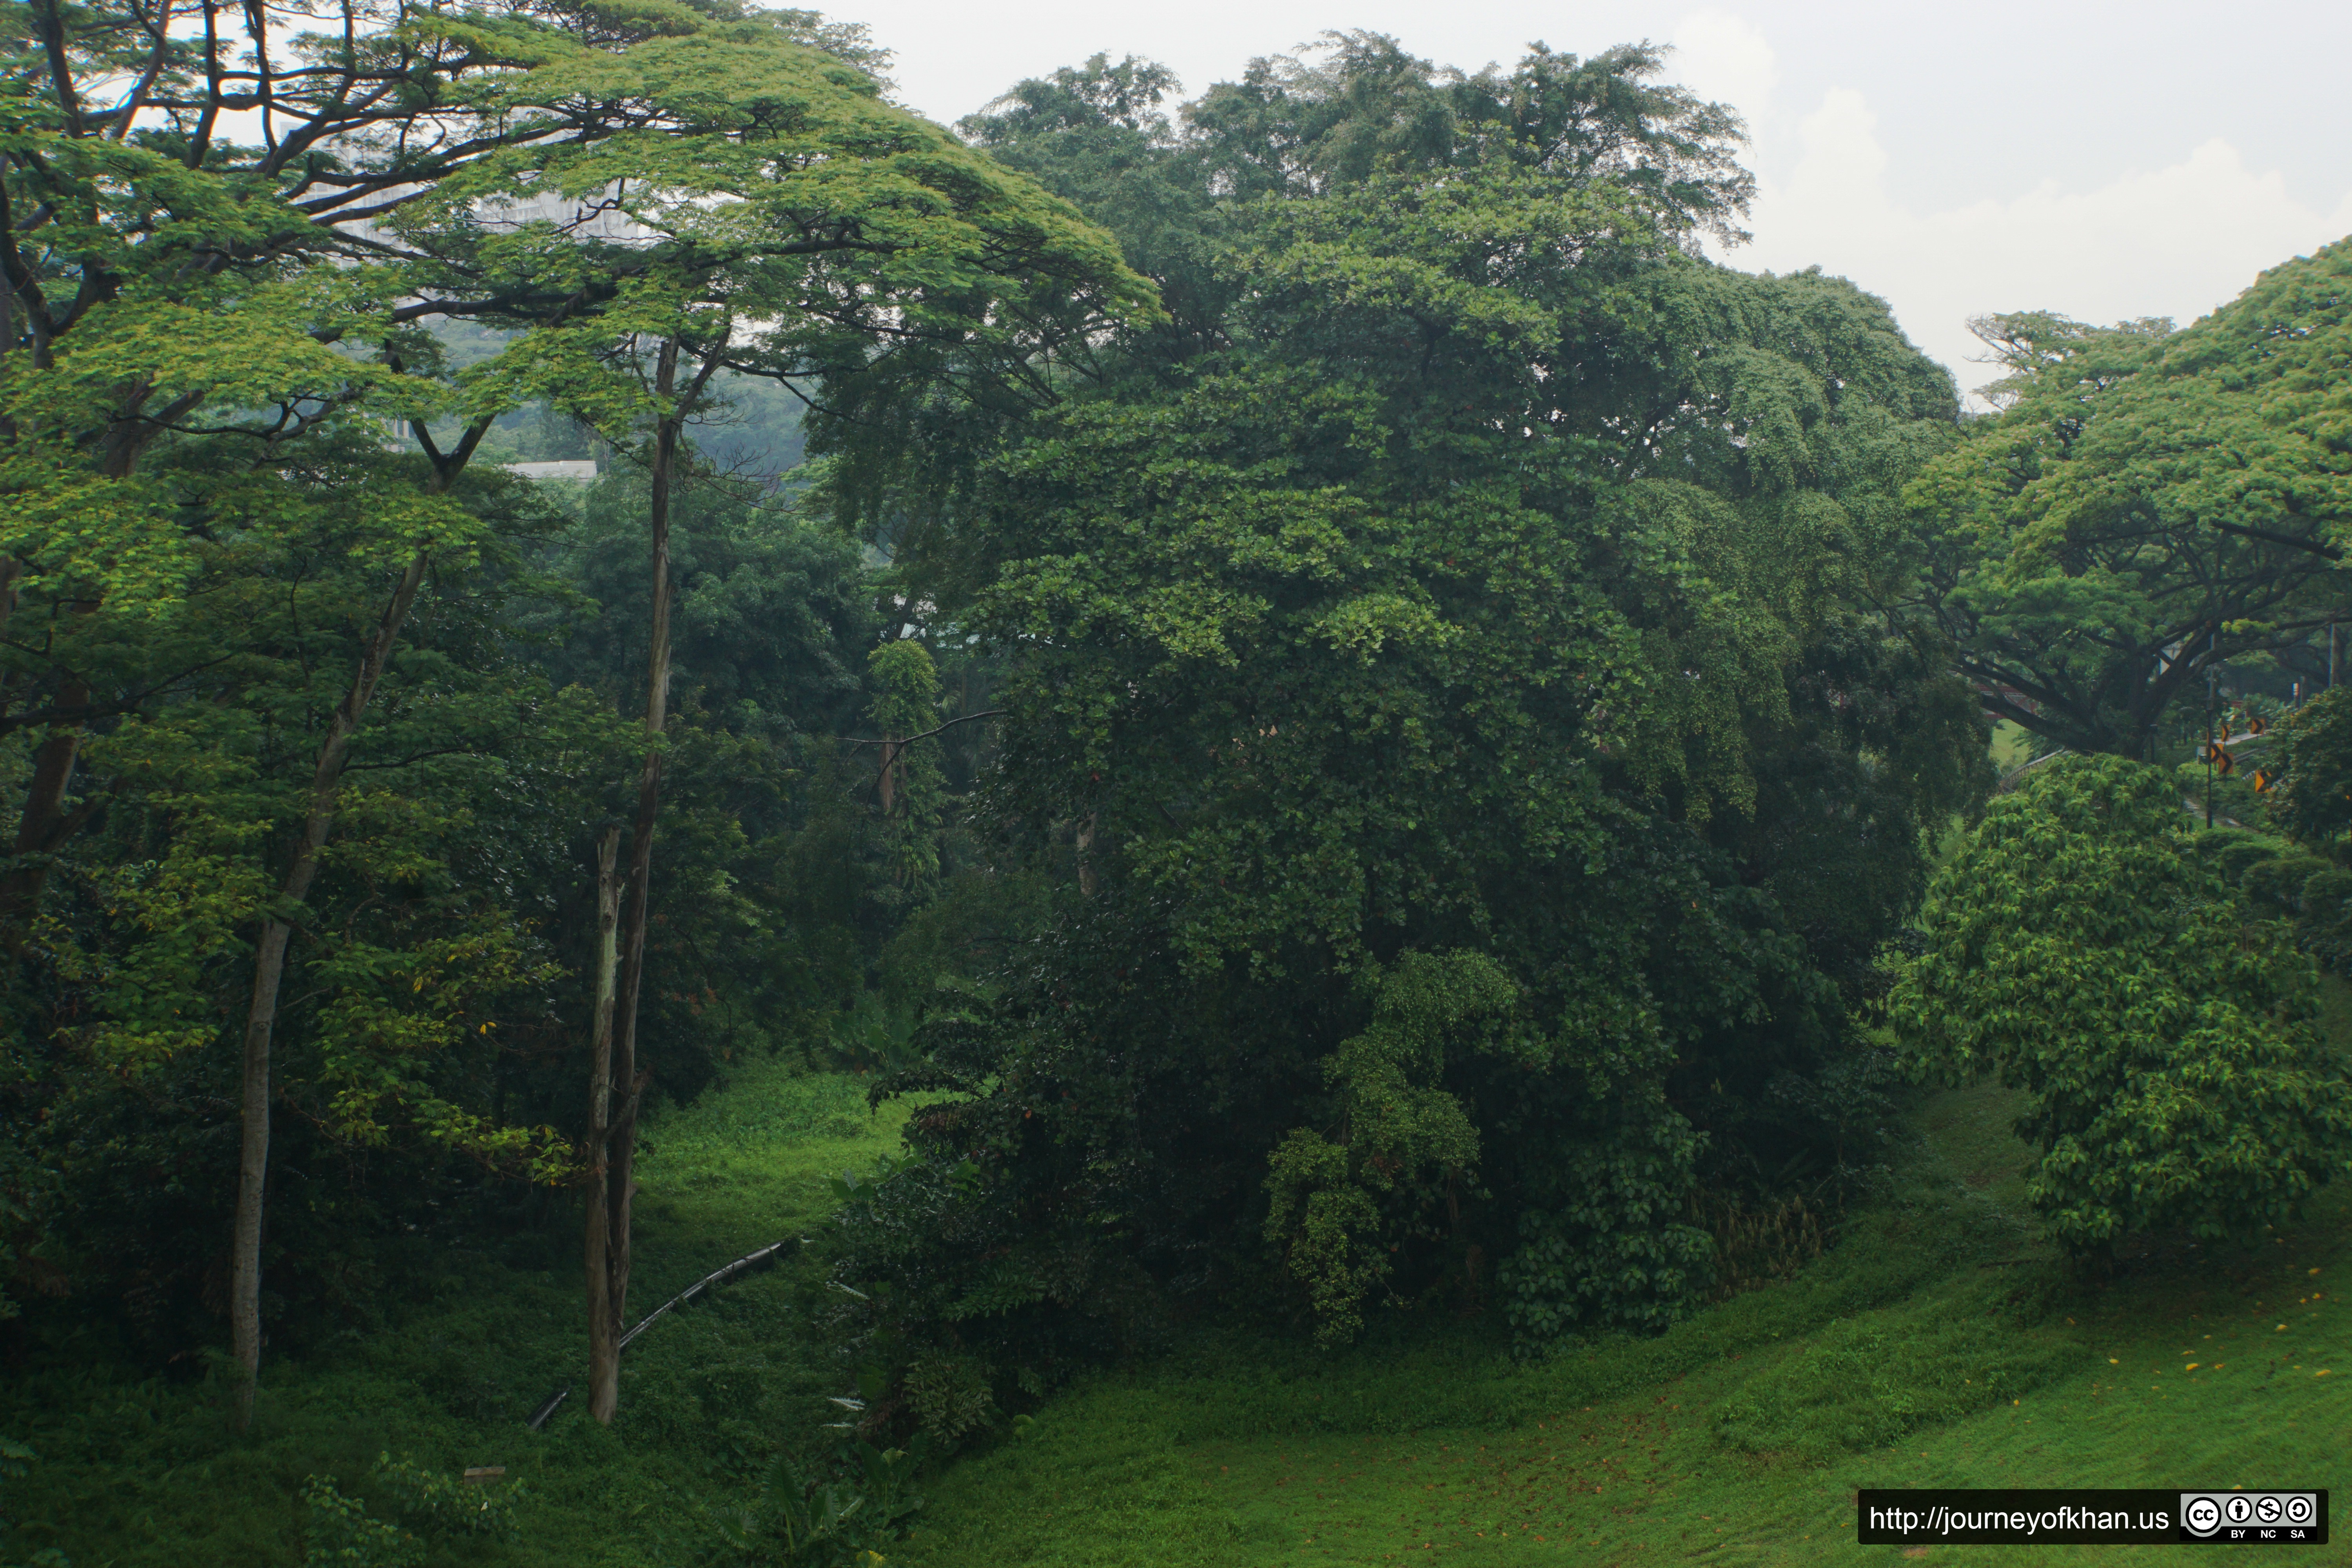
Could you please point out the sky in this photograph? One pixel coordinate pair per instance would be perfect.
(2106, 161)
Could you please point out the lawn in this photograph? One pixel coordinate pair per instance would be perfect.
(1935, 1343)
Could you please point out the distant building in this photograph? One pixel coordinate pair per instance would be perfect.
(569, 468)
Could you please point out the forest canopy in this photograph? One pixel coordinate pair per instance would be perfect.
(1445, 650)
(2149, 506)
(1350, 722)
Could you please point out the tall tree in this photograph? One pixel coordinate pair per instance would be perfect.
(144, 257)
(764, 213)
(2150, 506)
(613, 1139)
(1410, 653)
(129, 236)
(308, 845)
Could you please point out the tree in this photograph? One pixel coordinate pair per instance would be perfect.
(1357, 104)
(2150, 506)
(401, 923)
(2076, 952)
(224, 575)
(1394, 665)
(2313, 798)
(165, 283)
(775, 219)
(909, 780)
(155, 269)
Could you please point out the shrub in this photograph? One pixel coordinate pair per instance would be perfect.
(340, 1533)
(799, 1522)
(446, 1503)
(2278, 882)
(2230, 850)
(2312, 801)
(2325, 892)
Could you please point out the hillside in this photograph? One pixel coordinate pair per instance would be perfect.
(1933, 1344)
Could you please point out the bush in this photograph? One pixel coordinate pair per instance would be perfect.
(447, 1502)
(2278, 882)
(2325, 892)
(340, 1533)
(2312, 801)
(799, 1522)
(2233, 851)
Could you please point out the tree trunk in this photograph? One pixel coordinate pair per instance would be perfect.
(641, 845)
(269, 954)
(619, 1184)
(604, 1312)
(39, 826)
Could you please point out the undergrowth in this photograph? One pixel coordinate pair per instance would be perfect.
(1936, 1344)
(1933, 1343)
(136, 1470)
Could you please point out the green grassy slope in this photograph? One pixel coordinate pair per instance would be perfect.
(1935, 1345)
(1919, 1353)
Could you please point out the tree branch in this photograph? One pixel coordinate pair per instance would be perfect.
(854, 741)
(2264, 534)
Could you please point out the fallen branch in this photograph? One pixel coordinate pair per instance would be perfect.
(741, 1266)
(854, 741)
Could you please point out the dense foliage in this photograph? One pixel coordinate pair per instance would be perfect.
(2313, 799)
(2149, 506)
(1350, 724)
(1448, 666)
(310, 768)
(2083, 952)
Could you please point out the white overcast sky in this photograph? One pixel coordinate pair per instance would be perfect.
(2103, 160)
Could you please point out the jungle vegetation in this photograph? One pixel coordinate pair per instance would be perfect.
(1334, 719)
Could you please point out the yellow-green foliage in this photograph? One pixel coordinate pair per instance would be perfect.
(2079, 951)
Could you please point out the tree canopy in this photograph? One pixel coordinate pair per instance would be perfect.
(1348, 719)
(273, 716)
(2079, 951)
(2150, 505)
(1424, 659)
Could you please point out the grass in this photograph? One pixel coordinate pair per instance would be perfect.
(1916, 1353)
(1935, 1345)
(2014, 745)
(140, 1471)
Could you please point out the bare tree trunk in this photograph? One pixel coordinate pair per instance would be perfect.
(269, 956)
(604, 1312)
(619, 1189)
(619, 1184)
